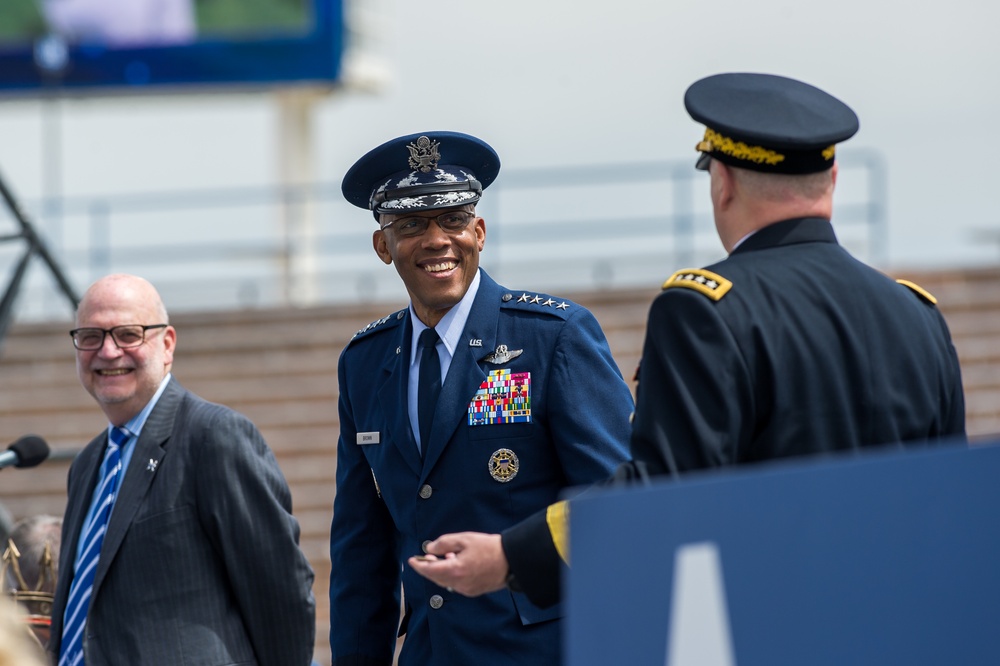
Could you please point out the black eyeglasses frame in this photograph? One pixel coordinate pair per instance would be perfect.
(114, 336)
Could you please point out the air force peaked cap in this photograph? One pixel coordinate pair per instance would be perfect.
(768, 123)
(422, 171)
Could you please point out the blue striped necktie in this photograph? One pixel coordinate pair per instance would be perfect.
(92, 536)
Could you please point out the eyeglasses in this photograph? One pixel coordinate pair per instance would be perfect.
(451, 222)
(125, 336)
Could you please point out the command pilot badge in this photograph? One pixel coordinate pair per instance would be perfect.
(503, 465)
(502, 355)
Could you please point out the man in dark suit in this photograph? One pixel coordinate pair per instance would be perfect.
(179, 546)
(514, 398)
(788, 347)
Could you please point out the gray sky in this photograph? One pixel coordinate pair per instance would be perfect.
(561, 82)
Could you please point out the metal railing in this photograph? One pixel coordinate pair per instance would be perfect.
(34, 247)
(559, 229)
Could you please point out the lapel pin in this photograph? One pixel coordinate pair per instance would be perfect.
(151, 466)
(475, 342)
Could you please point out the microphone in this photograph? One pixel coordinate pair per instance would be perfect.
(27, 451)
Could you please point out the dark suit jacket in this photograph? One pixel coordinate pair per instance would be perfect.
(200, 564)
(578, 432)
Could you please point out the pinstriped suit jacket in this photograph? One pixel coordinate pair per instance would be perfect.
(200, 564)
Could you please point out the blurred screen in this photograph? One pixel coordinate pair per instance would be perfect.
(112, 46)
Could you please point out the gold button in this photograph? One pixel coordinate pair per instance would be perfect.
(426, 491)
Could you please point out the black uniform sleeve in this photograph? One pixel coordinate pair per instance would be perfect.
(535, 566)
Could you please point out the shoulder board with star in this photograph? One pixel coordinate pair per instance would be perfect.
(704, 282)
(526, 300)
(920, 291)
(384, 323)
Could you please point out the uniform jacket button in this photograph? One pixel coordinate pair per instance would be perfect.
(426, 491)
(437, 601)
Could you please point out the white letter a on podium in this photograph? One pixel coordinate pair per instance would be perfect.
(699, 620)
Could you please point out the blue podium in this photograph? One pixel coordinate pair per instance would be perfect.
(889, 559)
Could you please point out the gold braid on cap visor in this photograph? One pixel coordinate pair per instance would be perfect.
(714, 141)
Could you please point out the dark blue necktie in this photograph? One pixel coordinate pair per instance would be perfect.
(92, 536)
(429, 384)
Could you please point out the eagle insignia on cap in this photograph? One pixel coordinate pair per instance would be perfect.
(424, 154)
(708, 283)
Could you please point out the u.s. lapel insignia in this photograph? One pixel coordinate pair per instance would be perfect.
(503, 465)
(475, 342)
(502, 355)
(151, 465)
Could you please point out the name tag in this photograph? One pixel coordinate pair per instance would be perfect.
(368, 438)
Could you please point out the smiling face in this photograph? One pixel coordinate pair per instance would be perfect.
(436, 266)
(123, 380)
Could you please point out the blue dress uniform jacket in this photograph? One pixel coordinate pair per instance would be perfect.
(390, 499)
(810, 351)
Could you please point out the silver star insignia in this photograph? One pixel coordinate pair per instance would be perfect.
(549, 302)
(524, 298)
(711, 284)
(536, 299)
(562, 306)
(700, 279)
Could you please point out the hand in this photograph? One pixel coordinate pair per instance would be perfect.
(470, 563)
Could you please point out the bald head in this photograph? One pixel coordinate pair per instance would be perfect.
(33, 536)
(122, 291)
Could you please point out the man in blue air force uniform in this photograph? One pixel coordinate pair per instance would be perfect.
(469, 410)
